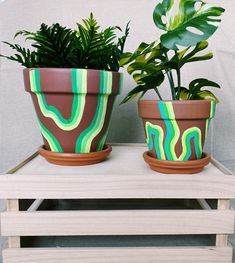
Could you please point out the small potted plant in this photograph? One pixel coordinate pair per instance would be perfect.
(175, 129)
(73, 79)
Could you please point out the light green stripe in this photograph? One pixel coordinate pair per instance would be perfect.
(175, 129)
(102, 141)
(165, 147)
(158, 133)
(85, 139)
(79, 87)
(212, 114)
(52, 141)
(186, 143)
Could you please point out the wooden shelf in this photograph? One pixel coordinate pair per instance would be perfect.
(123, 176)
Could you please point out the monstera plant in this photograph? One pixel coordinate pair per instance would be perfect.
(175, 129)
(73, 79)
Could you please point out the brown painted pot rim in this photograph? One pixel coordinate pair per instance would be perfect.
(66, 69)
(62, 75)
(176, 167)
(185, 109)
(175, 101)
(75, 159)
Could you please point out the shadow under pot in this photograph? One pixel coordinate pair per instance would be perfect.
(175, 134)
(73, 109)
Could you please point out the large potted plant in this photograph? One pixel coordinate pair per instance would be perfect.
(175, 129)
(73, 78)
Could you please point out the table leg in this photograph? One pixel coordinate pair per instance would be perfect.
(221, 239)
(13, 205)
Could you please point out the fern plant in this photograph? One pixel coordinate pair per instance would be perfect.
(59, 47)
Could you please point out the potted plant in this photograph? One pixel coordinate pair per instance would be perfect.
(73, 79)
(175, 129)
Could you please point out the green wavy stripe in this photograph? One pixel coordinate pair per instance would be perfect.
(173, 132)
(165, 148)
(188, 135)
(79, 88)
(157, 144)
(52, 141)
(102, 141)
(212, 114)
(212, 110)
(83, 143)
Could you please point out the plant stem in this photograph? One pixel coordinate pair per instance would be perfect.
(159, 95)
(171, 80)
(179, 83)
(172, 85)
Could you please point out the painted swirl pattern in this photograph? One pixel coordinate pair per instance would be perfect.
(90, 111)
(164, 143)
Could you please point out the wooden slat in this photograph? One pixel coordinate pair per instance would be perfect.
(120, 255)
(116, 186)
(222, 240)
(120, 222)
(13, 241)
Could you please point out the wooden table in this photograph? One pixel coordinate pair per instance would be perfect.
(123, 176)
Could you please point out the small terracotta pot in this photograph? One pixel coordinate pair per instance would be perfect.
(176, 130)
(73, 106)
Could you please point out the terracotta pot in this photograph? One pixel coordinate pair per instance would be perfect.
(73, 106)
(176, 130)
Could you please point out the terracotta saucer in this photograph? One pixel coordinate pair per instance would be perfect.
(75, 159)
(177, 167)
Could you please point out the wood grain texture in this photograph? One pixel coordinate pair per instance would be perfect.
(14, 240)
(124, 175)
(222, 240)
(120, 255)
(119, 222)
(116, 186)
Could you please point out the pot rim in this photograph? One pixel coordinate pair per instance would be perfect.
(175, 101)
(62, 69)
(58, 80)
(184, 110)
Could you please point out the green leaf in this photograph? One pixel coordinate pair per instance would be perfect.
(125, 59)
(150, 83)
(196, 92)
(134, 93)
(150, 68)
(190, 56)
(199, 47)
(184, 93)
(153, 81)
(189, 26)
(196, 85)
(207, 95)
(207, 56)
(160, 12)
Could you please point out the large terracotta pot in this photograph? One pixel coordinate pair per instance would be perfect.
(176, 130)
(73, 106)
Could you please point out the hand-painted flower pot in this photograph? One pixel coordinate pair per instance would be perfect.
(73, 106)
(176, 130)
